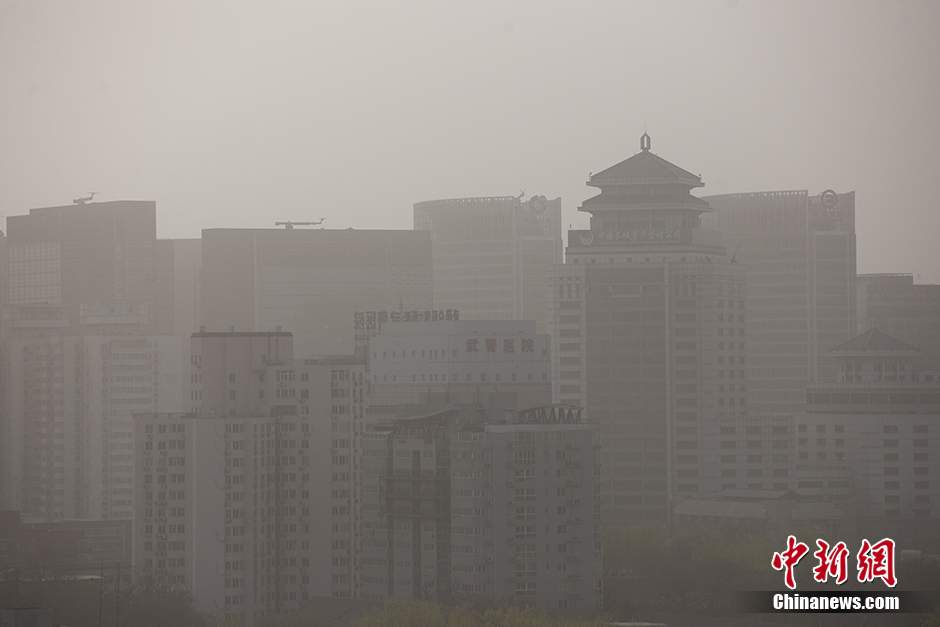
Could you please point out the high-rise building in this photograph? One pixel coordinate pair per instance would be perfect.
(252, 500)
(871, 438)
(647, 322)
(491, 255)
(310, 282)
(798, 253)
(909, 311)
(458, 506)
(87, 319)
(69, 395)
(87, 256)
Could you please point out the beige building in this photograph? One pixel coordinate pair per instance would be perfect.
(68, 400)
(252, 500)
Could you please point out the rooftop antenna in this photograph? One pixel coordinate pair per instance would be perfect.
(290, 225)
(82, 201)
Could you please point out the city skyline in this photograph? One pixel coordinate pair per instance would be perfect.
(246, 117)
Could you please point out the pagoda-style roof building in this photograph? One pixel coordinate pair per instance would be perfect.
(644, 168)
(874, 341)
(645, 191)
(874, 357)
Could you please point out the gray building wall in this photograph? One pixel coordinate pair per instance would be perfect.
(799, 256)
(310, 281)
(491, 254)
(457, 508)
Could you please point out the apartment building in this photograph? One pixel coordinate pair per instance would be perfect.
(461, 504)
(253, 500)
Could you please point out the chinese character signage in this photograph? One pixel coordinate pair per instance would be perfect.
(369, 323)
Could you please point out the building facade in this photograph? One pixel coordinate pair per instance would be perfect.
(69, 395)
(798, 252)
(909, 311)
(253, 500)
(87, 317)
(871, 438)
(461, 361)
(310, 282)
(648, 334)
(89, 255)
(491, 255)
(457, 507)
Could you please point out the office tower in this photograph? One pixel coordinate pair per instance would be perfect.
(86, 255)
(461, 361)
(310, 282)
(871, 439)
(647, 322)
(458, 506)
(893, 303)
(253, 500)
(86, 344)
(798, 253)
(491, 255)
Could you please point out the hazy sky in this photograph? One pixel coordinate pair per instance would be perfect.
(237, 114)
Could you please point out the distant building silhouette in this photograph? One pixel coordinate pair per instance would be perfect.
(88, 314)
(798, 252)
(251, 500)
(647, 320)
(871, 439)
(461, 361)
(909, 311)
(468, 502)
(310, 281)
(492, 254)
(87, 255)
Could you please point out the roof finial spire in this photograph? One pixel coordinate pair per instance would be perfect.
(645, 142)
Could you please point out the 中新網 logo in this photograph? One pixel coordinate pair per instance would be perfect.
(874, 561)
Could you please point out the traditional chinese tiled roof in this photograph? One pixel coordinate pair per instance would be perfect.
(644, 168)
(874, 340)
